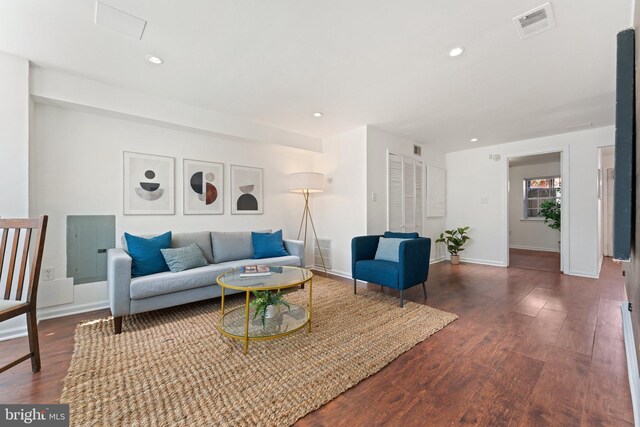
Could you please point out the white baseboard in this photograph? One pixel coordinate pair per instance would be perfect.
(632, 361)
(534, 248)
(437, 260)
(583, 274)
(483, 262)
(52, 313)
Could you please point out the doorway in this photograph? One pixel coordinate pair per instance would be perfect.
(534, 201)
(606, 180)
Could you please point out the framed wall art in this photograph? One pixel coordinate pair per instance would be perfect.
(148, 184)
(246, 190)
(203, 187)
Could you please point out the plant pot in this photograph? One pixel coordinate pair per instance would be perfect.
(455, 259)
(270, 312)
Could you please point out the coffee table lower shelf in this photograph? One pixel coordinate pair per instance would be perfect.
(239, 323)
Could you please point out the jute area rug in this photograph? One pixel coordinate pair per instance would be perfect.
(173, 367)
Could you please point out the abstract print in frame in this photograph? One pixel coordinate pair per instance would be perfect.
(246, 190)
(203, 187)
(148, 184)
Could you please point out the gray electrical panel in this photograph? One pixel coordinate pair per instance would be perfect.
(88, 239)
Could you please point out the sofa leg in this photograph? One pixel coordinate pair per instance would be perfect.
(354, 286)
(401, 299)
(424, 290)
(117, 325)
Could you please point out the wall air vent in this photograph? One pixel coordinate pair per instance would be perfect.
(535, 21)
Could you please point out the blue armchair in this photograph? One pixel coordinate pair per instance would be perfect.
(412, 268)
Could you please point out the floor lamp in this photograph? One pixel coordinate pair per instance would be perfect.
(307, 183)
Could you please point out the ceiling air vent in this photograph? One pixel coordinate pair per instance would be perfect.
(535, 21)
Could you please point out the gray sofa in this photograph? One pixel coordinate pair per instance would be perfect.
(224, 251)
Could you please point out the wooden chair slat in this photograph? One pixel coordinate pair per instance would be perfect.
(3, 248)
(12, 262)
(23, 263)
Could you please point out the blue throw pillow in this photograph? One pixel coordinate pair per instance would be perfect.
(185, 258)
(145, 253)
(268, 245)
(389, 249)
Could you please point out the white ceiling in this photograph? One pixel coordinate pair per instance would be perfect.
(375, 62)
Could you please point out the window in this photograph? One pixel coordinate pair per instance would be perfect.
(537, 191)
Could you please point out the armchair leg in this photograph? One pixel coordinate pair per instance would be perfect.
(34, 347)
(401, 298)
(117, 325)
(424, 290)
(354, 286)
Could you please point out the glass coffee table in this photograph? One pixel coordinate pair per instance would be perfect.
(239, 323)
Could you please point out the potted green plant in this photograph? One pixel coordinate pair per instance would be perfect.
(454, 239)
(550, 210)
(266, 304)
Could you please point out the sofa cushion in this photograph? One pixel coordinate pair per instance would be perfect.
(232, 245)
(388, 249)
(168, 282)
(186, 258)
(394, 235)
(145, 253)
(268, 245)
(200, 238)
(378, 271)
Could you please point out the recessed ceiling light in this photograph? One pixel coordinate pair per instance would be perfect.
(456, 51)
(474, 139)
(318, 114)
(154, 59)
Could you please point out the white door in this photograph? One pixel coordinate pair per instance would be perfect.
(404, 194)
(608, 216)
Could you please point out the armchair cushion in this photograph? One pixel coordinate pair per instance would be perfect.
(378, 271)
(388, 249)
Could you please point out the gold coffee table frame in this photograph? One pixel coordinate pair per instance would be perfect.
(248, 289)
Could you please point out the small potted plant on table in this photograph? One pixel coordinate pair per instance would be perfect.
(266, 304)
(454, 239)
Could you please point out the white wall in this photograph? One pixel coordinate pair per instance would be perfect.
(14, 136)
(378, 143)
(530, 233)
(476, 196)
(341, 211)
(76, 169)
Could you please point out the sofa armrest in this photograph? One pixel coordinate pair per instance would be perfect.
(363, 247)
(414, 261)
(296, 248)
(119, 281)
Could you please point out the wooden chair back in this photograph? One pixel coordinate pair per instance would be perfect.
(16, 239)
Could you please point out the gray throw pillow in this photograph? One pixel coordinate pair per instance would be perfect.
(200, 238)
(180, 259)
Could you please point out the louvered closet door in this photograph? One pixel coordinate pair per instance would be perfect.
(395, 211)
(404, 209)
(408, 186)
(418, 197)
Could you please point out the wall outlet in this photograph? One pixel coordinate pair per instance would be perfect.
(48, 273)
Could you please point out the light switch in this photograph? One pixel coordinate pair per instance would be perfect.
(484, 200)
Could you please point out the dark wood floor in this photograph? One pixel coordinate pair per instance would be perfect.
(534, 260)
(530, 348)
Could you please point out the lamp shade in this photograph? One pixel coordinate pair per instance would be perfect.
(310, 182)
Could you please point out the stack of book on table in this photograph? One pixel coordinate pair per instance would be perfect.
(255, 271)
